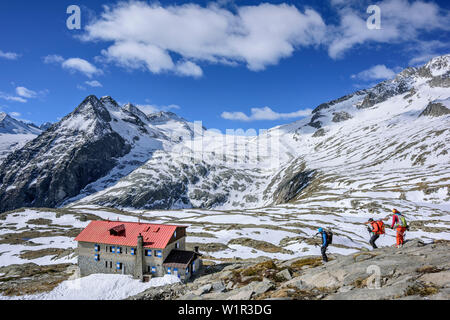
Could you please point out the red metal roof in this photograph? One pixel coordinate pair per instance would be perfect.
(156, 236)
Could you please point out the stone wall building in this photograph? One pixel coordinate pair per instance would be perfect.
(143, 250)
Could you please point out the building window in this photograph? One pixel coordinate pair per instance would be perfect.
(187, 271)
(106, 264)
(110, 264)
(133, 251)
(119, 250)
(119, 266)
(177, 245)
(175, 234)
(113, 249)
(97, 248)
(193, 267)
(97, 257)
(153, 269)
(148, 253)
(159, 253)
(175, 272)
(126, 250)
(169, 270)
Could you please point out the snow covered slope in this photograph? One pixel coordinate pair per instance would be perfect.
(9, 125)
(390, 140)
(14, 134)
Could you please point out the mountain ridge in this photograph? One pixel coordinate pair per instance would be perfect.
(161, 161)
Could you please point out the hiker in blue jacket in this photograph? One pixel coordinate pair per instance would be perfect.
(325, 244)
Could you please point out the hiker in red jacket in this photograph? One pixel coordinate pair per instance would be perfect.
(375, 228)
(399, 222)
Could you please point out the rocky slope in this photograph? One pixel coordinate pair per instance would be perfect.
(416, 271)
(60, 162)
(97, 139)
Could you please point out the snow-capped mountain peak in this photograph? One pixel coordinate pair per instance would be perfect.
(14, 134)
(439, 65)
(9, 125)
(135, 110)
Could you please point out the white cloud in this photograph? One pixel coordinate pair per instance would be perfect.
(181, 38)
(401, 22)
(189, 68)
(265, 113)
(22, 94)
(378, 72)
(145, 36)
(25, 93)
(80, 65)
(15, 114)
(9, 55)
(149, 108)
(53, 58)
(73, 65)
(9, 97)
(94, 84)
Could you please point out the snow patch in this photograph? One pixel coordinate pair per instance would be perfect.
(98, 287)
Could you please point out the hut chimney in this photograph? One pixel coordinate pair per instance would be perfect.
(139, 263)
(196, 249)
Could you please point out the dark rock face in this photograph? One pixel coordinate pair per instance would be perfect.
(435, 109)
(384, 91)
(319, 133)
(62, 161)
(442, 81)
(290, 187)
(341, 116)
(314, 121)
(327, 105)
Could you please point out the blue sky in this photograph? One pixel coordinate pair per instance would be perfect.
(209, 61)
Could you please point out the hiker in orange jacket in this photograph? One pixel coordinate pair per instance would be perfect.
(376, 229)
(399, 222)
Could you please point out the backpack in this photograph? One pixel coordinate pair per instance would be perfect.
(329, 236)
(402, 221)
(380, 225)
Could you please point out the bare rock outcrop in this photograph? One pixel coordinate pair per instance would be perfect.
(435, 109)
(415, 271)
